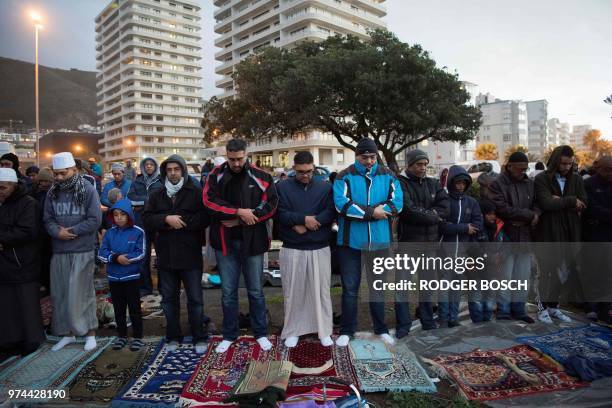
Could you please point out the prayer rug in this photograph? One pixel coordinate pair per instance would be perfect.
(315, 365)
(103, 378)
(591, 342)
(46, 310)
(161, 380)
(379, 369)
(49, 370)
(218, 373)
(497, 374)
(263, 374)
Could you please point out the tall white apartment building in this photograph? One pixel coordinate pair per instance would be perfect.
(245, 26)
(577, 136)
(504, 123)
(558, 132)
(537, 118)
(149, 82)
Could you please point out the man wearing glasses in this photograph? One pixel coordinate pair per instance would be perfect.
(305, 214)
(366, 195)
(241, 198)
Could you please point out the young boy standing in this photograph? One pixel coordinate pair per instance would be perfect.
(122, 250)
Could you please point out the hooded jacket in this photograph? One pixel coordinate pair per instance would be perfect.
(19, 228)
(258, 193)
(13, 158)
(357, 192)
(515, 203)
(142, 187)
(560, 221)
(464, 210)
(426, 204)
(129, 241)
(124, 187)
(177, 248)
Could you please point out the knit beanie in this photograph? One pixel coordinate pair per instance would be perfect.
(518, 157)
(366, 146)
(414, 156)
(45, 175)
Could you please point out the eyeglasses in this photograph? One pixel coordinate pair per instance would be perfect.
(304, 172)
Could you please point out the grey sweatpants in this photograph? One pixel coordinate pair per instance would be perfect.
(73, 294)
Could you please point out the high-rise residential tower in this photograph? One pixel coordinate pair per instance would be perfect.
(149, 81)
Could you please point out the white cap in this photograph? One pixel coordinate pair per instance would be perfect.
(63, 160)
(219, 161)
(8, 175)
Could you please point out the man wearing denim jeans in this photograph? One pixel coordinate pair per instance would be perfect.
(177, 217)
(241, 199)
(515, 203)
(366, 195)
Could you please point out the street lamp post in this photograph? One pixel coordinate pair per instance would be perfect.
(37, 26)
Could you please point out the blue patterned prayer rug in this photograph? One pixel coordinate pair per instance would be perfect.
(161, 380)
(591, 342)
(380, 368)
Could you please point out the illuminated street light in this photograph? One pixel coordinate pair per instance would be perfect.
(36, 18)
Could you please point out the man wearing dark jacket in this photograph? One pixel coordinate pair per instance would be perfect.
(305, 214)
(425, 206)
(561, 196)
(597, 227)
(241, 198)
(141, 188)
(19, 266)
(176, 216)
(513, 194)
(11, 161)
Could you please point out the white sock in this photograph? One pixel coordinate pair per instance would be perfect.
(343, 341)
(327, 341)
(201, 347)
(387, 339)
(291, 341)
(90, 343)
(264, 343)
(223, 346)
(66, 340)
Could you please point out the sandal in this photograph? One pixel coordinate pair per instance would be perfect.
(136, 344)
(119, 343)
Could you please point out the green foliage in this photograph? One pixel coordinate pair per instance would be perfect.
(384, 89)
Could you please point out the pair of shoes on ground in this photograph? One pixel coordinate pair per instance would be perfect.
(548, 314)
(121, 342)
(90, 343)
(263, 342)
(200, 346)
(292, 341)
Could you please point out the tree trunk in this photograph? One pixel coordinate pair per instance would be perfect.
(391, 162)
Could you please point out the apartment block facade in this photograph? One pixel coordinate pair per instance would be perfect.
(577, 136)
(149, 81)
(504, 123)
(537, 128)
(243, 27)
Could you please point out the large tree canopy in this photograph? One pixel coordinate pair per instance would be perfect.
(384, 89)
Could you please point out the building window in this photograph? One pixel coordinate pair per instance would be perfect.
(340, 156)
(159, 118)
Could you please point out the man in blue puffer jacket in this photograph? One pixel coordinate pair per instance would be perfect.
(123, 252)
(366, 195)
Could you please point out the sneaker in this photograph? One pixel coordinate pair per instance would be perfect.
(172, 346)
(119, 343)
(558, 314)
(136, 344)
(544, 317)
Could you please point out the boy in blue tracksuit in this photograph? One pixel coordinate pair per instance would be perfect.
(462, 225)
(367, 196)
(123, 251)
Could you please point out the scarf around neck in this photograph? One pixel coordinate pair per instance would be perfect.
(74, 184)
(172, 189)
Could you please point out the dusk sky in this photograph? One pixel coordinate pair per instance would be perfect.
(559, 50)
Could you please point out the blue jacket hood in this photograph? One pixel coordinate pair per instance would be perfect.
(456, 173)
(362, 170)
(124, 205)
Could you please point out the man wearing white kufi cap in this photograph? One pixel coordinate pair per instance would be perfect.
(72, 216)
(22, 328)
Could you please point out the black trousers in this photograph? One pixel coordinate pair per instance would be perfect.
(126, 295)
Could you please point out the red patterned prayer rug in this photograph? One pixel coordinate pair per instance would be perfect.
(498, 374)
(217, 373)
(316, 364)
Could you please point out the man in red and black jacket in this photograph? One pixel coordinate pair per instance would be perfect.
(241, 198)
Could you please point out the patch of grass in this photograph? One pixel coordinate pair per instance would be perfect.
(336, 291)
(415, 399)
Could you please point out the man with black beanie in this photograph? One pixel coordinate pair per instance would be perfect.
(11, 161)
(514, 198)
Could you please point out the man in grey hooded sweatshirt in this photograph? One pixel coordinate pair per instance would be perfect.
(141, 188)
(72, 216)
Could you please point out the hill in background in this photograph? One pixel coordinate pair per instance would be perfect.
(67, 97)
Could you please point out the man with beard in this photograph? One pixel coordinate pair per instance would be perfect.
(72, 217)
(19, 266)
